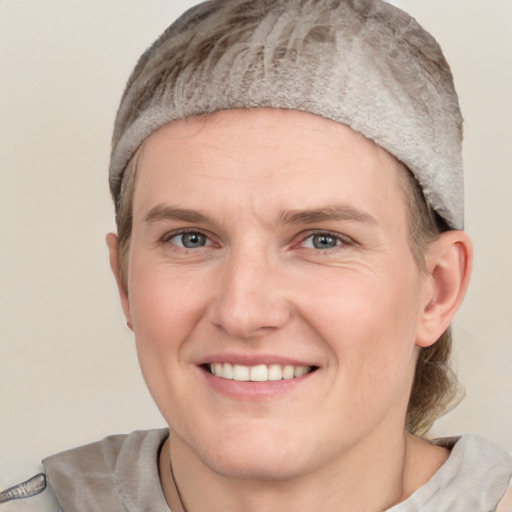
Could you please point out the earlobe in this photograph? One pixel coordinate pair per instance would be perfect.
(113, 249)
(449, 263)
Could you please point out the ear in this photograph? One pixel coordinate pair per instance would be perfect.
(449, 263)
(113, 250)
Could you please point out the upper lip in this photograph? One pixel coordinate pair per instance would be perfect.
(254, 359)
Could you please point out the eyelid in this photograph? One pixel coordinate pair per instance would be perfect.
(344, 240)
(177, 232)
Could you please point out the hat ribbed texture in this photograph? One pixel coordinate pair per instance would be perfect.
(363, 63)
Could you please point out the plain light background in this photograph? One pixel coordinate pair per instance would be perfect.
(68, 369)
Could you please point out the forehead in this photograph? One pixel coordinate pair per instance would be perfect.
(267, 157)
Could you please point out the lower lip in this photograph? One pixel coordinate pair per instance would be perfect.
(249, 390)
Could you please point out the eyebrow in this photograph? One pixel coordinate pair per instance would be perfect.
(341, 212)
(334, 212)
(162, 212)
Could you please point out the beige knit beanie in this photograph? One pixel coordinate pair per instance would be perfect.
(363, 63)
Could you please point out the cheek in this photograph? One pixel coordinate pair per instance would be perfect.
(363, 300)
(165, 309)
(369, 324)
(163, 301)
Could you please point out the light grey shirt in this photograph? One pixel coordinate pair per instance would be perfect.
(120, 474)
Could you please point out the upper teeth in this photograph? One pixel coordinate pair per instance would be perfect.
(259, 373)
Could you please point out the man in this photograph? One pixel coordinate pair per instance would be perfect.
(288, 186)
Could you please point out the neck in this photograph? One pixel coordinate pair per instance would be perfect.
(368, 479)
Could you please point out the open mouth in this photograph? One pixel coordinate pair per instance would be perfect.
(258, 373)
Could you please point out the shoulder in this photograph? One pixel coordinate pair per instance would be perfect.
(104, 475)
(107, 474)
(476, 477)
(32, 495)
(96, 460)
(477, 473)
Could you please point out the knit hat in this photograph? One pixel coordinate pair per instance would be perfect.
(363, 63)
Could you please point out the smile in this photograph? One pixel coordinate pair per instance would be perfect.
(258, 373)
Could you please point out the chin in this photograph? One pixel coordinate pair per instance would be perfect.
(256, 455)
(250, 466)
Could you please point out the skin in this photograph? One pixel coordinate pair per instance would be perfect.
(261, 186)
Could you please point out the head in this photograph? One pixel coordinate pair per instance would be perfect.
(248, 57)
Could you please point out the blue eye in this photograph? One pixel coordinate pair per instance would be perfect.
(322, 241)
(190, 240)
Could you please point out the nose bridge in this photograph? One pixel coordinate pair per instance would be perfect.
(251, 298)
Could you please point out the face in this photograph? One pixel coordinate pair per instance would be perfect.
(272, 291)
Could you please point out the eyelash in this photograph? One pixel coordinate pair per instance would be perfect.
(169, 236)
(341, 241)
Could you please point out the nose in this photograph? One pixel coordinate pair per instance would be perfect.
(251, 299)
